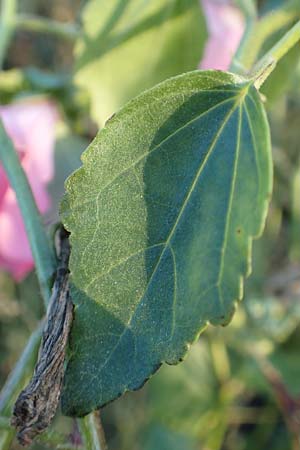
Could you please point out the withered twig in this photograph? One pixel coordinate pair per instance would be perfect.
(289, 405)
(38, 402)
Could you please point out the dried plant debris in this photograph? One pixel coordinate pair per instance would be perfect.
(38, 402)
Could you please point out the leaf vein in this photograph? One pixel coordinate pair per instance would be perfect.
(212, 146)
(229, 210)
(149, 152)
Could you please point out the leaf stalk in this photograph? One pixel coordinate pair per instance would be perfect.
(92, 432)
(268, 62)
(258, 30)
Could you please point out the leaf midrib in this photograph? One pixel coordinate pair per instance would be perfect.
(167, 243)
(229, 210)
(153, 149)
(144, 155)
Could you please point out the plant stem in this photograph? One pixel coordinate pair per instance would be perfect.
(7, 24)
(258, 30)
(238, 64)
(42, 251)
(4, 423)
(220, 358)
(38, 24)
(92, 432)
(6, 439)
(267, 63)
(21, 372)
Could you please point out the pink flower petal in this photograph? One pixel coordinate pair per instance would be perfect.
(3, 184)
(31, 126)
(13, 241)
(225, 25)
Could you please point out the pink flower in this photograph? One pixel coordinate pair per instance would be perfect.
(225, 25)
(31, 126)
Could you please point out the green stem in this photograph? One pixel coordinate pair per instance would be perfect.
(238, 64)
(21, 372)
(4, 423)
(38, 24)
(6, 439)
(92, 432)
(257, 32)
(42, 251)
(7, 24)
(267, 63)
(220, 358)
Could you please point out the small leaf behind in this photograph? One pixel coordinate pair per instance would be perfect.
(130, 45)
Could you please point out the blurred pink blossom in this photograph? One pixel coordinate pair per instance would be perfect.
(31, 126)
(225, 24)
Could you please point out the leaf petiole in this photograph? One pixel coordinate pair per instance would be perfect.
(92, 432)
(257, 31)
(268, 62)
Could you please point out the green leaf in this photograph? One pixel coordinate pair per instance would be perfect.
(286, 362)
(130, 45)
(161, 216)
(68, 149)
(175, 399)
(158, 436)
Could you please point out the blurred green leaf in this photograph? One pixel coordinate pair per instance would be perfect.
(159, 437)
(10, 81)
(188, 399)
(286, 361)
(275, 318)
(68, 149)
(184, 396)
(130, 45)
(265, 435)
(161, 217)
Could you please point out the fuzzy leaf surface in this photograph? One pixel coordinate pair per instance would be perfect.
(162, 215)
